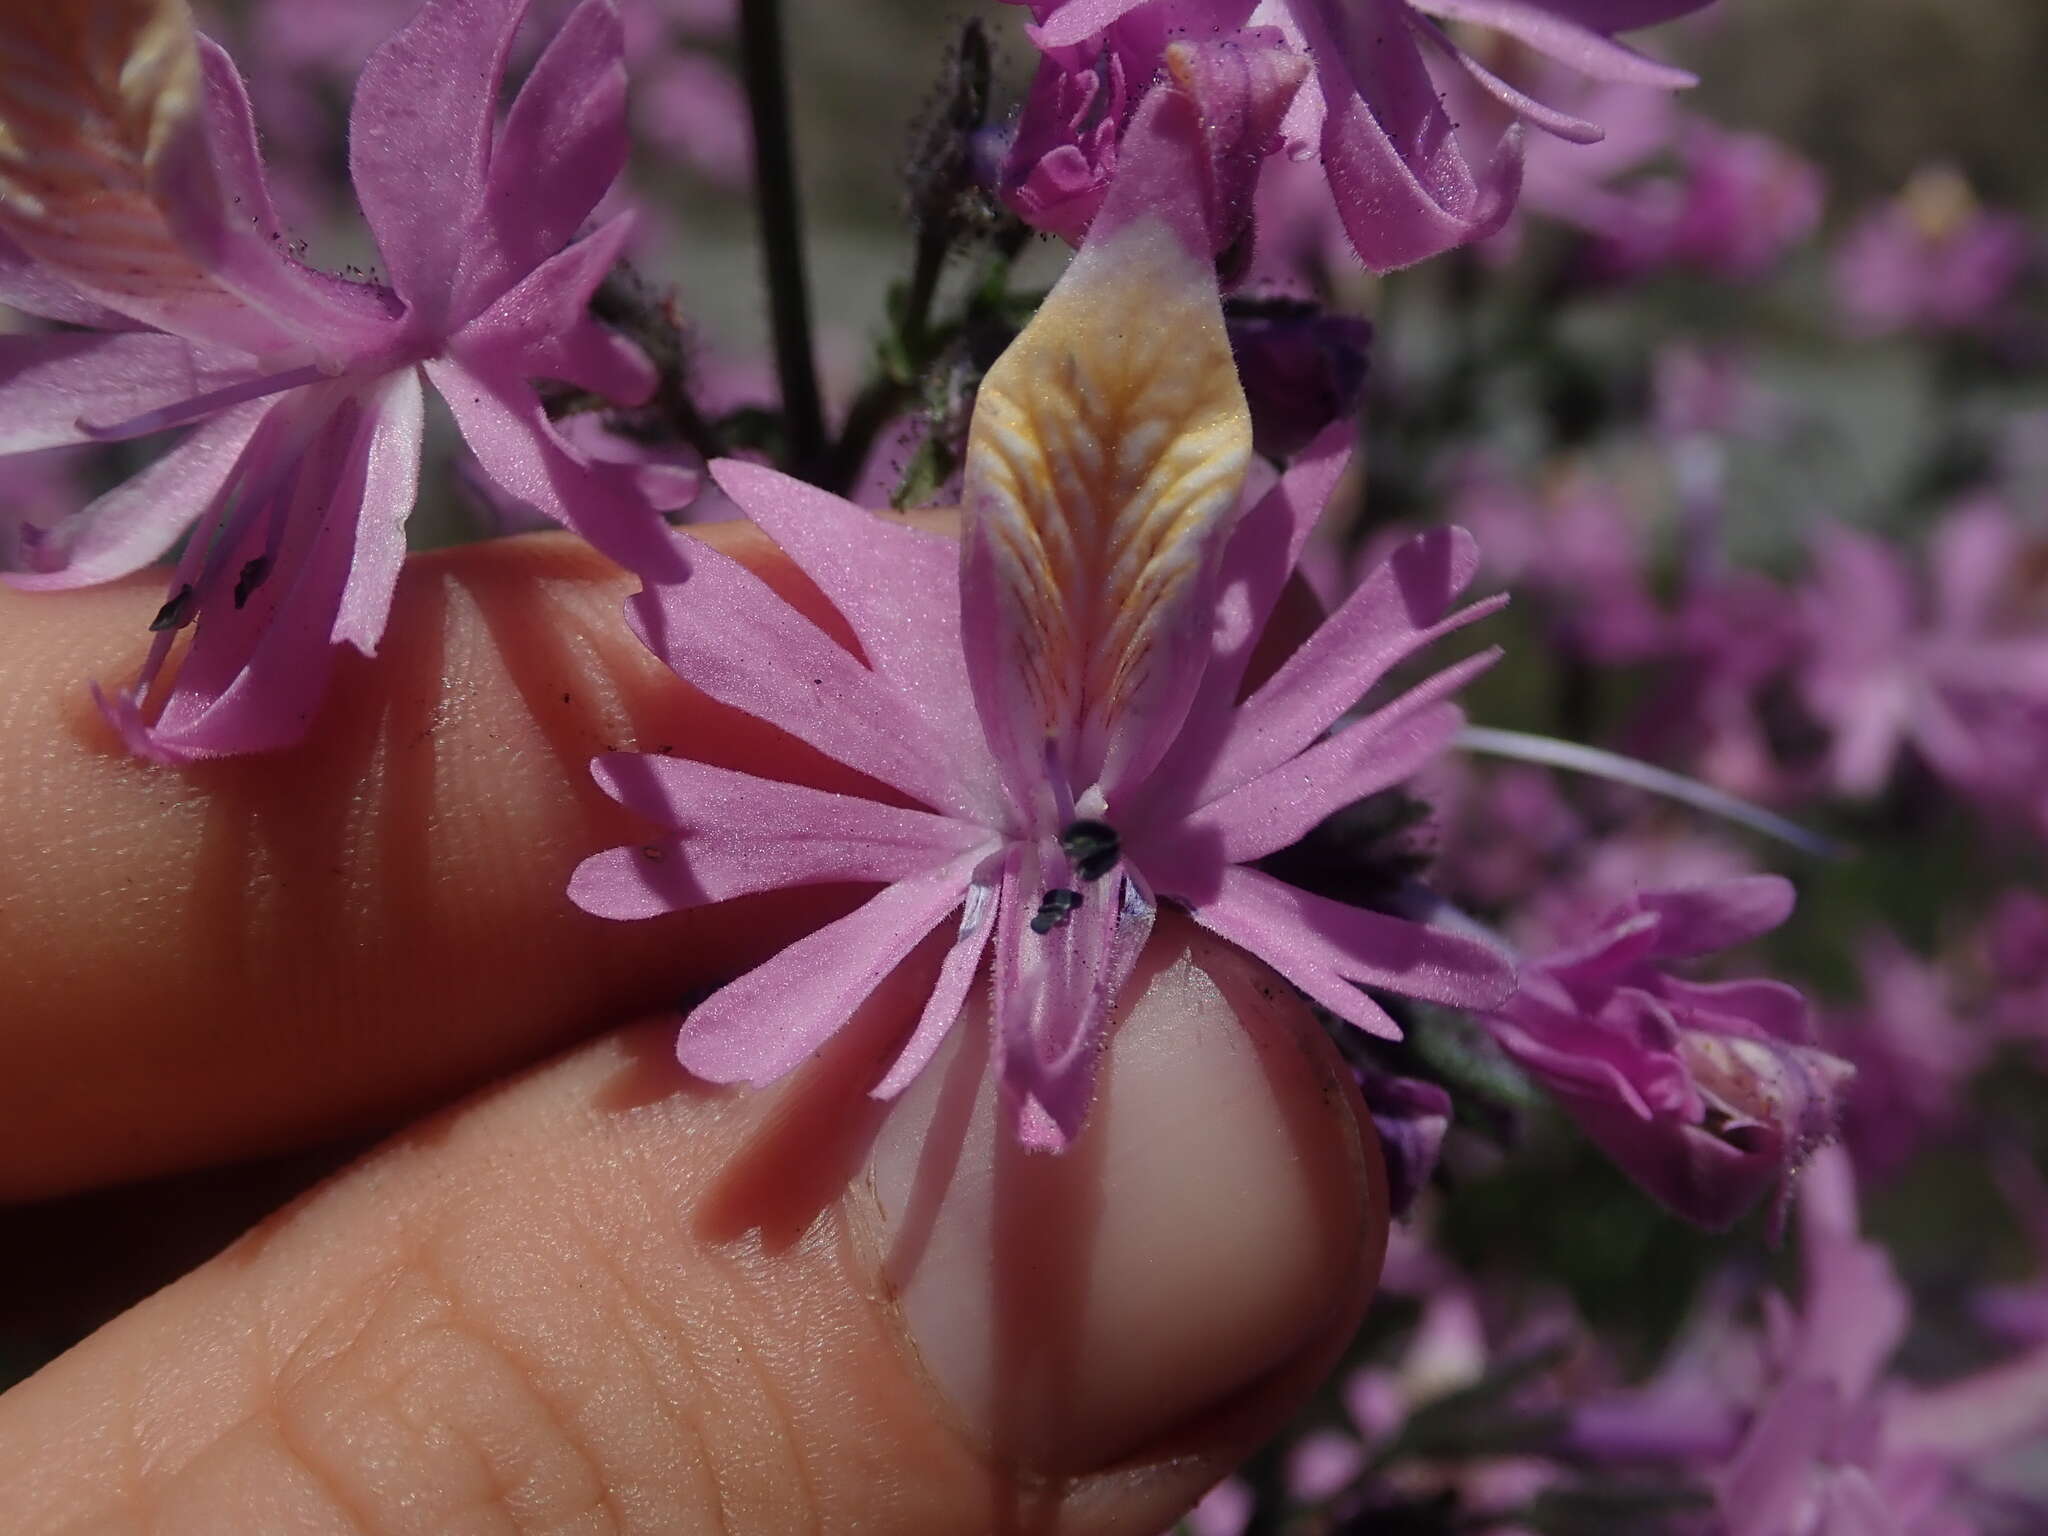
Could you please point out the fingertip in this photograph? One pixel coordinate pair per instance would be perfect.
(1167, 1290)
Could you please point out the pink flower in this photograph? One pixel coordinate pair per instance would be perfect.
(306, 389)
(1706, 1094)
(1733, 206)
(1914, 1055)
(1577, 547)
(1421, 143)
(1065, 154)
(1931, 259)
(1839, 1445)
(1667, 188)
(1959, 673)
(1053, 707)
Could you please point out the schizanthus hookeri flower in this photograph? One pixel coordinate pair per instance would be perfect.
(1932, 259)
(1057, 697)
(132, 202)
(1953, 665)
(1839, 1440)
(1706, 1093)
(1421, 142)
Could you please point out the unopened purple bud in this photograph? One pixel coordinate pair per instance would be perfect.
(1302, 369)
(1707, 1094)
(1412, 1118)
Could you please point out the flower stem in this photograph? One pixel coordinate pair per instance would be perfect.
(782, 251)
(888, 392)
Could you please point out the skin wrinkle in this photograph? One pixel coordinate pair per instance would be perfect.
(416, 1307)
(532, 1370)
(825, 1337)
(635, 1317)
(325, 1477)
(464, 1350)
(745, 1354)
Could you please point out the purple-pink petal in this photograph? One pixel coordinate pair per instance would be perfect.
(726, 633)
(1697, 920)
(1280, 806)
(895, 586)
(28, 285)
(562, 146)
(1549, 29)
(1403, 184)
(949, 993)
(419, 141)
(734, 834)
(1329, 949)
(767, 1022)
(391, 482)
(541, 328)
(1395, 612)
(138, 520)
(502, 421)
(51, 384)
(1262, 554)
(231, 128)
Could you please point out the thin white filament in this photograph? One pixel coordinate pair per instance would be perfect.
(1574, 757)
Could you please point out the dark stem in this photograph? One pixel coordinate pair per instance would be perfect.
(782, 252)
(673, 403)
(887, 393)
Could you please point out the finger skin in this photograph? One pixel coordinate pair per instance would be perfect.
(235, 957)
(600, 1298)
(223, 958)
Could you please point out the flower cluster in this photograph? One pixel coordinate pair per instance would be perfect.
(1174, 628)
(155, 241)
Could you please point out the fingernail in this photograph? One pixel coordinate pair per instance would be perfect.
(1211, 1222)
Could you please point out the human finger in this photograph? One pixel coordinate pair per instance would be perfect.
(601, 1295)
(226, 957)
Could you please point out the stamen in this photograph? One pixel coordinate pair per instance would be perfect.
(176, 613)
(1054, 908)
(251, 578)
(1093, 846)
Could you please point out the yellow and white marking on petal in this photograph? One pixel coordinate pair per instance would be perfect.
(1108, 447)
(95, 96)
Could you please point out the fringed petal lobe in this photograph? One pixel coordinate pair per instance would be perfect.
(949, 993)
(1401, 607)
(736, 834)
(1329, 950)
(138, 520)
(419, 140)
(506, 428)
(766, 1023)
(725, 633)
(562, 146)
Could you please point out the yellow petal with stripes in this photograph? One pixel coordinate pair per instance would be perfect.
(96, 96)
(1104, 462)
